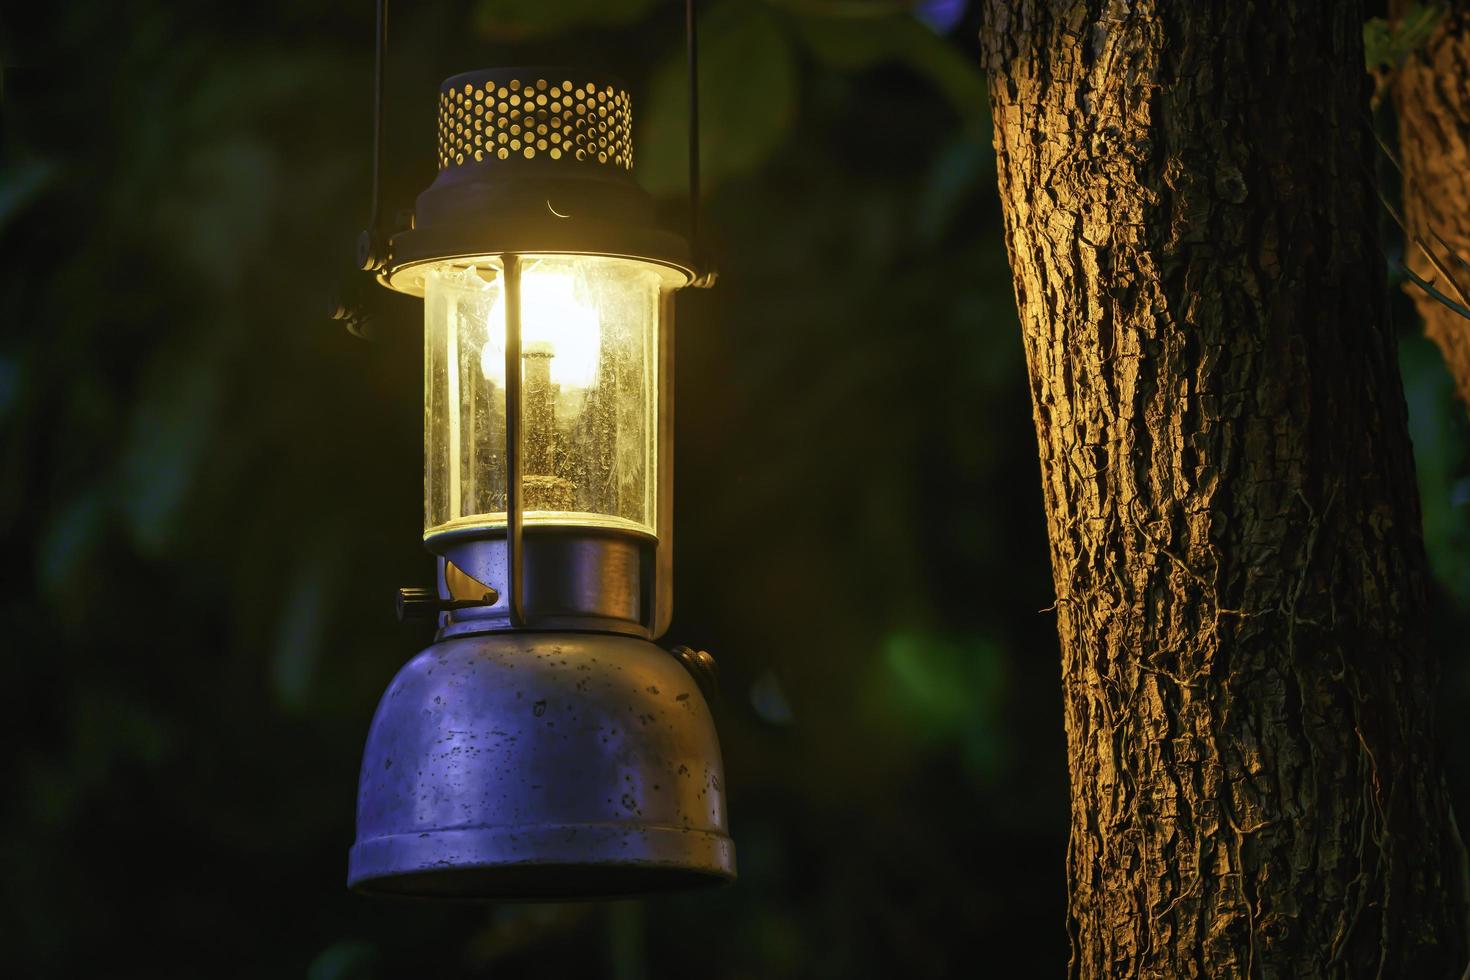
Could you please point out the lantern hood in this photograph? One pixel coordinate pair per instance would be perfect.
(541, 765)
(532, 160)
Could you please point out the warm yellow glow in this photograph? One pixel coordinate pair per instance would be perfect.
(589, 399)
(552, 318)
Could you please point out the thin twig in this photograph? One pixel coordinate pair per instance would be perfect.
(1429, 288)
(1461, 308)
(1460, 260)
(1439, 267)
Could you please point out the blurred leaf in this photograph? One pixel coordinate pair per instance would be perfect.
(349, 959)
(1441, 437)
(949, 691)
(858, 45)
(509, 20)
(21, 183)
(68, 543)
(941, 16)
(958, 170)
(213, 174)
(170, 433)
(112, 728)
(299, 635)
(748, 98)
(222, 208)
(627, 940)
(930, 680)
(9, 383)
(108, 731)
(768, 698)
(511, 929)
(1386, 45)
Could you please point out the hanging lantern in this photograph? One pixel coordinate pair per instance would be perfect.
(543, 746)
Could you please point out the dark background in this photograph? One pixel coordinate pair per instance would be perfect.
(208, 493)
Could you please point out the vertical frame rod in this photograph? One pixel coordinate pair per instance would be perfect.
(661, 610)
(511, 269)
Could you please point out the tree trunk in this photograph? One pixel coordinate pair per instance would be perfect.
(1432, 95)
(1229, 490)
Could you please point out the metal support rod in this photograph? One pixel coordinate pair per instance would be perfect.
(691, 44)
(379, 48)
(371, 252)
(511, 265)
(662, 607)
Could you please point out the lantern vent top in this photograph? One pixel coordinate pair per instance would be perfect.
(539, 116)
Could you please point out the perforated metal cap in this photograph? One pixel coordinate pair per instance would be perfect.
(551, 115)
(532, 160)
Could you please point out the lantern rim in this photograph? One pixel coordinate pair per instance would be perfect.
(570, 862)
(405, 274)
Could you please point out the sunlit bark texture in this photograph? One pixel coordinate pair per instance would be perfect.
(1432, 94)
(1229, 489)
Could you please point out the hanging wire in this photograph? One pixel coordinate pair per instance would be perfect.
(380, 44)
(371, 253)
(343, 299)
(706, 270)
(691, 44)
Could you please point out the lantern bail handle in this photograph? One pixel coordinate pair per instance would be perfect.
(372, 255)
(372, 251)
(707, 273)
(344, 301)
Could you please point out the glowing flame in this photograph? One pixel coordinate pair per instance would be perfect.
(551, 317)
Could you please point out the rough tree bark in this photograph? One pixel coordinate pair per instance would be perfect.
(1229, 490)
(1432, 95)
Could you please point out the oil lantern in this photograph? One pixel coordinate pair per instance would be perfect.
(543, 746)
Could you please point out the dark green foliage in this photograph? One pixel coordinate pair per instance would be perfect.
(1442, 451)
(1386, 45)
(208, 492)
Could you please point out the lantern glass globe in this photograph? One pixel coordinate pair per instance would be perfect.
(589, 388)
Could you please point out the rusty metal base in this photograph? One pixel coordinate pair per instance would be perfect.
(541, 766)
